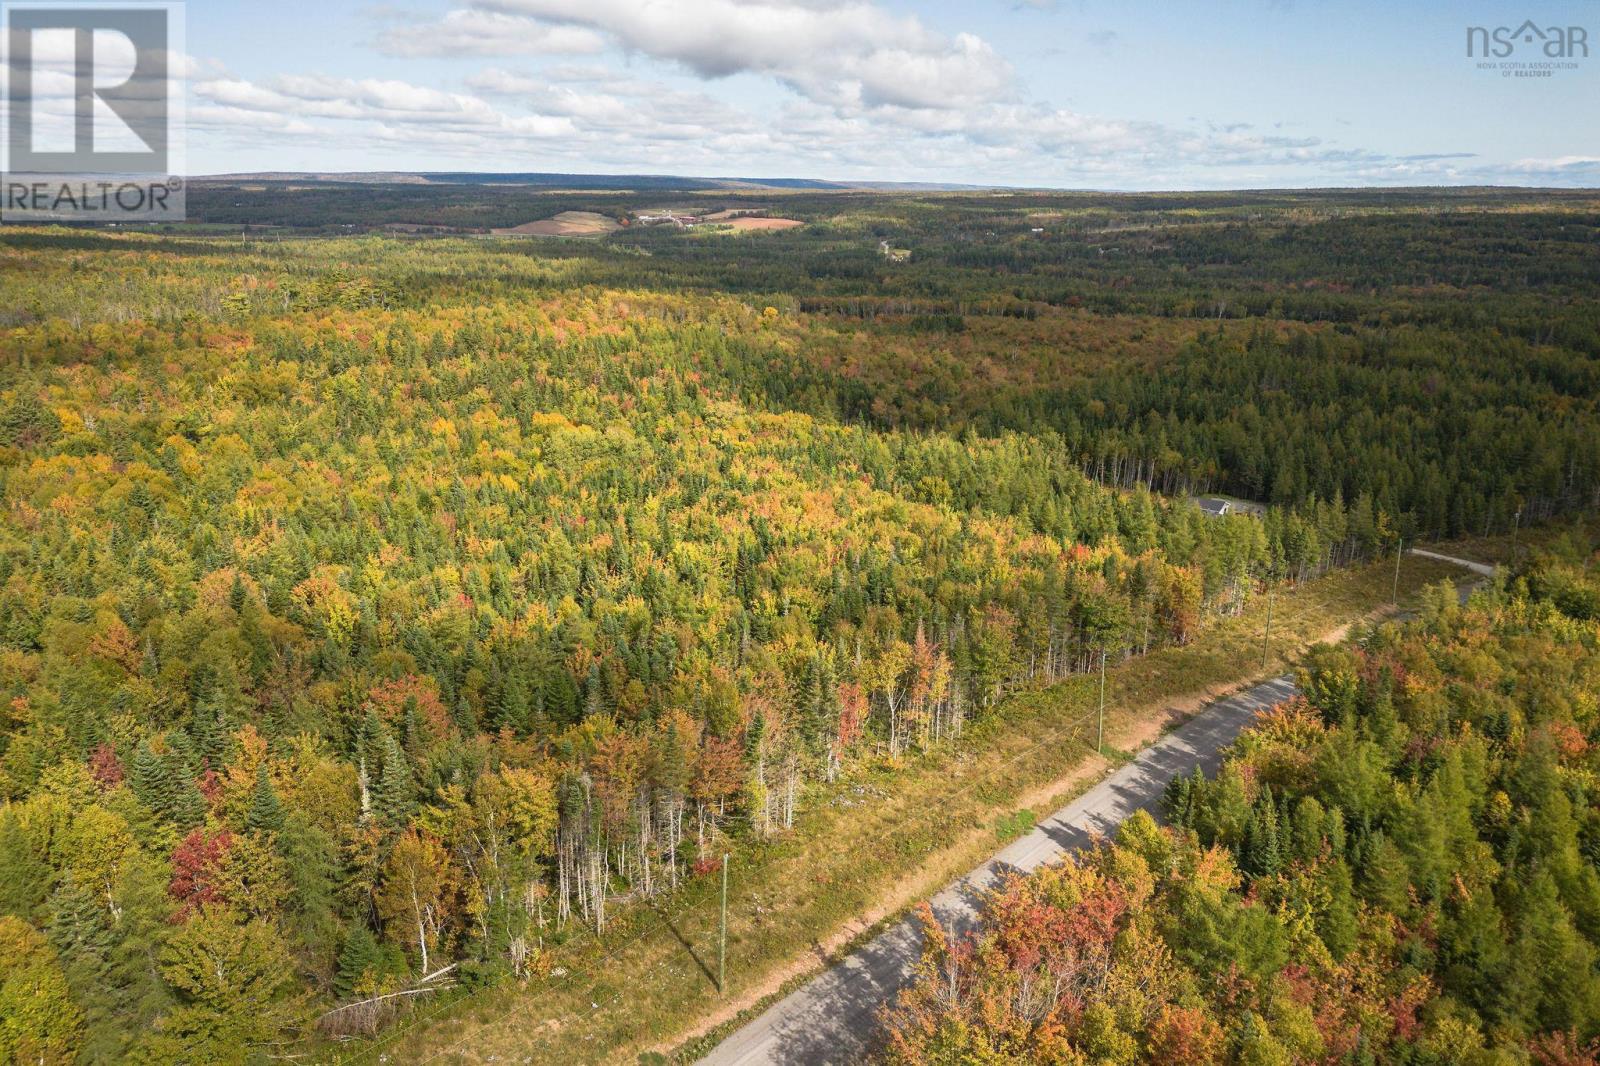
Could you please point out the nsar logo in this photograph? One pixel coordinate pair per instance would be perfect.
(1552, 42)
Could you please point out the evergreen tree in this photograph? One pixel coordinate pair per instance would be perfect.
(150, 780)
(208, 733)
(1263, 855)
(266, 813)
(82, 933)
(357, 958)
(25, 875)
(512, 709)
(393, 798)
(311, 861)
(188, 805)
(1175, 801)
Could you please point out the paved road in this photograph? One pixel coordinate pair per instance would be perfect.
(829, 1019)
(1486, 569)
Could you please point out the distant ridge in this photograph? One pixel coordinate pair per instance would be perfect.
(583, 181)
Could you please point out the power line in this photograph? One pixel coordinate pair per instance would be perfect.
(593, 970)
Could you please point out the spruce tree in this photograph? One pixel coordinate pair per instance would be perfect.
(149, 779)
(266, 813)
(1175, 802)
(85, 941)
(1263, 856)
(255, 638)
(188, 805)
(411, 736)
(208, 732)
(359, 954)
(24, 874)
(394, 794)
(594, 701)
(512, 709)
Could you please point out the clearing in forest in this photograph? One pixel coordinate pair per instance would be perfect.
(565, 224)
(747, 223)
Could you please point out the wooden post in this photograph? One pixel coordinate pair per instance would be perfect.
(1100, 744)
(722, 939)
(1266, 637)
(1399, 550)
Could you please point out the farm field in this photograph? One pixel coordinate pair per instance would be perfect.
(761, 224)
(565, 224)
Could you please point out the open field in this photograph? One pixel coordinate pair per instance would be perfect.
(865, 849)
(565, 224)
(746, 223)
(731, 212)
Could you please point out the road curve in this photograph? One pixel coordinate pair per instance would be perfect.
(1485, 569)
(830, 1019)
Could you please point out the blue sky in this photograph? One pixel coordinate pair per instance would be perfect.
(1072, 93)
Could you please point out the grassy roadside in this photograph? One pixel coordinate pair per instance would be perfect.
(863, 850)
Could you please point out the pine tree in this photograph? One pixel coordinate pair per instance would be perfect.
(79, 927)
(255, 638)
(395, 792)
(84, 938)
(411, 735)
(1263, 855)
(266, 813)
(149, 779)
(24, 874)
(208, 732)
(311, 859)
(188, 808)
(512, 709)
(1175, 802)
(359, 955)
(594, 699)
(461, 713)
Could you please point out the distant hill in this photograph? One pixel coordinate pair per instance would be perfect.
(583, 181)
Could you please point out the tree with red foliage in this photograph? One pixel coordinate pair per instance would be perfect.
(197, 864)
(105, 767)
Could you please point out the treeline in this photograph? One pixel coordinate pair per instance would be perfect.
(1400, 867)
(1453, 434)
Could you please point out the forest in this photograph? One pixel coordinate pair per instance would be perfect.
(377, 612)
(1403, 866)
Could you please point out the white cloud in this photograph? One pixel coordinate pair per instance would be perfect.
(234, 119)
(468, 32)
(849, 54)
(385, 104)
(1565, 164)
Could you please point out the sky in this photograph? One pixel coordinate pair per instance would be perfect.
(1101, 94)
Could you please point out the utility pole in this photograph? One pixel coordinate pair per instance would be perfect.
(1399, 550)
(1516, 527)
(1266, 637)
(722, 938)
(1100, 744)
